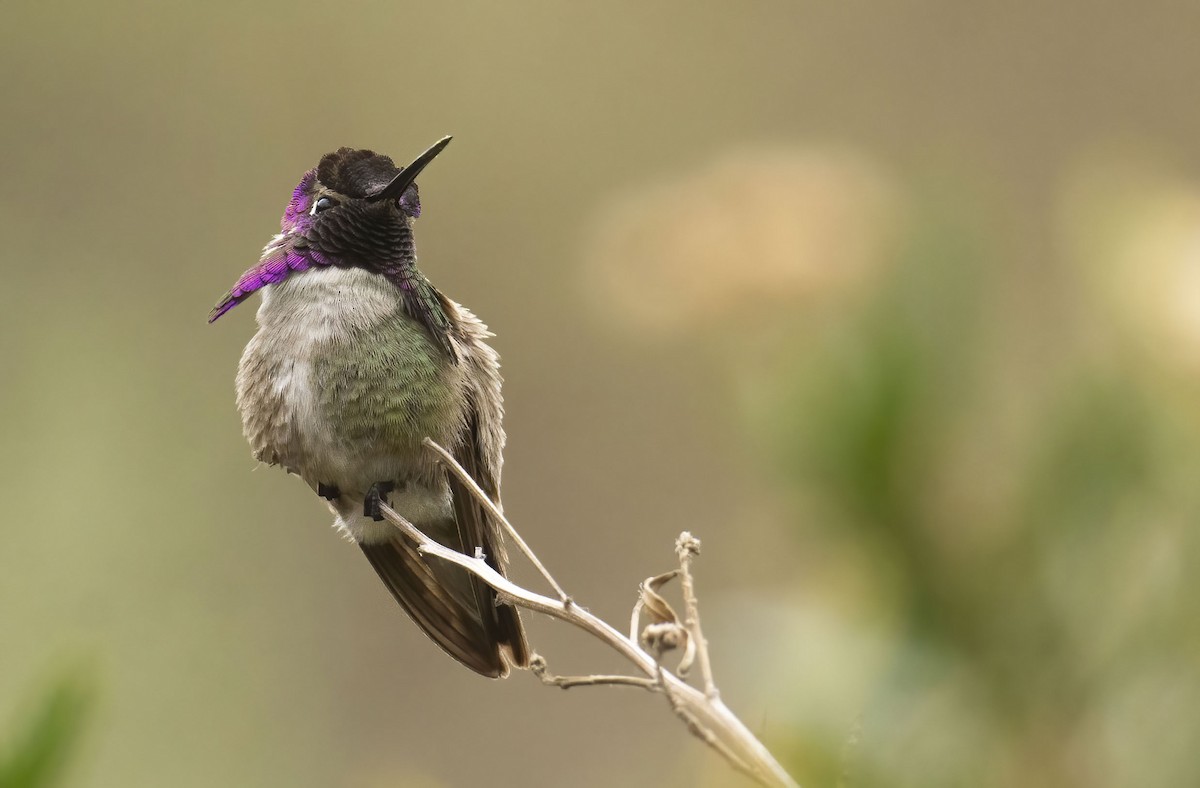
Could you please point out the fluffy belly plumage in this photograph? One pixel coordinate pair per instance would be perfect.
(340, 386)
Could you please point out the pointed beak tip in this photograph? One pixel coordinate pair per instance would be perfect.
(409, 174)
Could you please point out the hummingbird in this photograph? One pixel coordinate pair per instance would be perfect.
(358, 358)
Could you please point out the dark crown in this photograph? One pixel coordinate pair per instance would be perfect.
(355, 173)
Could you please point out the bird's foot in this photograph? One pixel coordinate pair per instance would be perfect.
(375, 496)
(329, 492)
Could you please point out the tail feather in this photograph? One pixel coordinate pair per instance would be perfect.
(512, 634)
(476, 530)
(458, 626)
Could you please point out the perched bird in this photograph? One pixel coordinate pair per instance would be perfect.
(357, 359)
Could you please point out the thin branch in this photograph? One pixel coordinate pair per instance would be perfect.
(704, 714)
(482, 497)
(532, 600)
(687, 547)
(566, 682)
(537, 664)
(699, 731)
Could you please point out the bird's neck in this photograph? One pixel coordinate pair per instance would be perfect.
(341, 295)
(421, 300)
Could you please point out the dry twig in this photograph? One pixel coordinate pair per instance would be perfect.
(702, 711)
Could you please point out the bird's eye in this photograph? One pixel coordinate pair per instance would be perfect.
(322, 204)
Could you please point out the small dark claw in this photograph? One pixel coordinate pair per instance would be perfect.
(375, 496)
(329, 492)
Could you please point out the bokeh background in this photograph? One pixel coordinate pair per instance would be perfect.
(895, 305)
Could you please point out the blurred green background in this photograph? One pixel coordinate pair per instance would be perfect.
(896, 306)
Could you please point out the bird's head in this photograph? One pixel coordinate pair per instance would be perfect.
(354, 209)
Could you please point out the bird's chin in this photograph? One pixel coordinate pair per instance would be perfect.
(410, 202)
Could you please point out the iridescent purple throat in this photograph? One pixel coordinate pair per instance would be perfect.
(288, 253)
